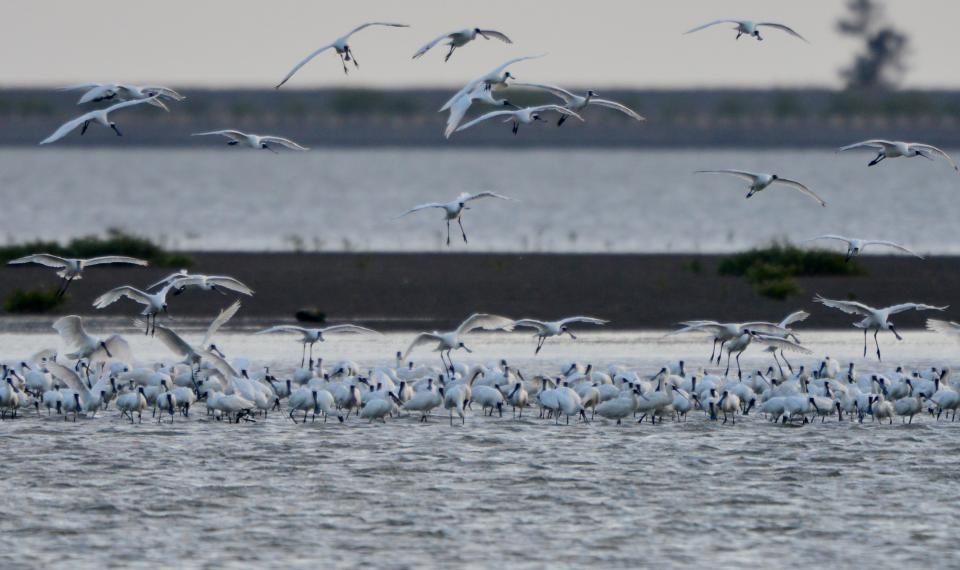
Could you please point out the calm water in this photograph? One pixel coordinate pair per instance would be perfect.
(570, 200)
(404, 495)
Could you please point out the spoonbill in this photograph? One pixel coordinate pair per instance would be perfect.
(546, 329)
(99, 116)
(896, 149)
(855, 246)
(446, 342)
(578, 103)
(759, 181)
(461, 38)
(253, 141)
(72, 268)
(311, 337)
(749, 28)
(453, 210)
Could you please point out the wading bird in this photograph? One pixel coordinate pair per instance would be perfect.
(461, 38)
(342, 48)
(875, 319)
(748, 28)
(446, 342)
(546, 329)
(453, 210)
(895, 149)
(72, 268)
(759, 181)
(99, 116)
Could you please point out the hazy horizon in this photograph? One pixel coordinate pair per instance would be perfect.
(246, 44)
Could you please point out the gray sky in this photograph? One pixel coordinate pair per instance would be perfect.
(253, 43)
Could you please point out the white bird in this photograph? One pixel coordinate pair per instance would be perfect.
(154, 303)
(72, 268)
(525, 116)
(450, 341)
(774, 341)
(724, 332)
(875, 319)
(856, 246)
(342, 48)
(204, 282)
(99, 116)
(458, 109)
(453, 210)
(579, 103)
(253, 141)
(132, 401)
(86, 346)
(895, 149)
(497, 76)
(96, 92)
(748, 28)
(760, 181)
(546, 329)
(948, 328)
(194, 355)
(311, 336)
(461, 38)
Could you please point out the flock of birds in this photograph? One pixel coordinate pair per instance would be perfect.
(95, 373)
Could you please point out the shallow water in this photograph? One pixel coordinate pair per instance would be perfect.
(528, 492)
(638, 200)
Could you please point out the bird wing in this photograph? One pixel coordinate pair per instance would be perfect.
(914, 306)
(713, 23)
(284, 328)
(473, 83)
(948, 328)
(589, 320)
(226, 282)
(794, 317)
(698, 326)
(531, 323)
(872, 143)
(495, 34)
(67, 127)
(45, 259)
(169, 278)
(936, 150)
(419, 340)
(748, 176)
(303, 62)
(894, 245)
(617, 107)
(764, 327)
(485, 322)
(113, 295)
(223, 367)
(468, 197)
(348, 328)
(368, 24)
(222, 318)
(282, 141)
(164, 91)
(798, 186)
(429, 45)
(483, 118)
(229, 133)
(559, 92)
(421, 207)
(780, 343)
(68, 376)
(130, 103)
(830, 236)
(119, 349)
(849, 307)
(106, 259)
(787, 29)
(70, 328)
(557, 108)
(171, 340)
(96, 90)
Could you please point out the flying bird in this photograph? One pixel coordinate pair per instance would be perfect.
(760, 181)
(311, 337)
(253, 141)
(463, 103)
(496, 77)
(194, 355)
(72, 268)
(895, 149)
(450, 341)
(856, 246)
(578, 103)
(875, 319)
(748, 28)
(461, 38)
(83, 345)
(525, 116)
(154, 303)
(453, 210)
(99, 116)
(96, 92)
(546, 329)
(342, 48)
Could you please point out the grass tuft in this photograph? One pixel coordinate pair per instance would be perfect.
(31, 301)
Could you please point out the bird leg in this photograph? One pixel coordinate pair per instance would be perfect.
(303, 355)
(739, 372)
(563, 119)
(880, 157)
(233, 143)
(784, 356)
(343, 62)
(449, 53)
(720, 354)
(739, 34)
(448, 232)
(714, 351)
(311, 355)
(516, 127)
(777, 360)
(728, 363)
(540, 341)
(147, 332)
(116, 130)
(864, 343)
(462, 232)
(875, 333)
(84, 128)
(350, 55)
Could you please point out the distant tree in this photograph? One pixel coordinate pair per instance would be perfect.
(882, 63)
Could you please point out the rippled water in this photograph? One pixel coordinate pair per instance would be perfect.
(496, 490)
(569, 200)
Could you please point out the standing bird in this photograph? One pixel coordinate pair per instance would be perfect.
(453, 210)
(525, 116)
(99, 116)
(875, 319)
(546, 329)
(496, 77)
(154, 303)
(748, 28)
(856, 246)
(253, 141)
(461, 38)
(449, 341)
(895, 149)
(84, 345)
(342, 48)
(578, 103)
(313, 336)
(760, 181)
(72, 268)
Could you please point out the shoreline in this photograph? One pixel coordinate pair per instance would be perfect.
(402, 291)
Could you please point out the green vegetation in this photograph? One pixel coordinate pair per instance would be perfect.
(115, 242)
(28, 301)
(771, 269)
